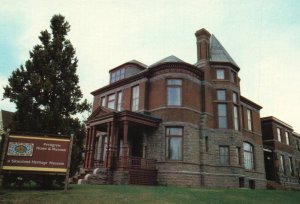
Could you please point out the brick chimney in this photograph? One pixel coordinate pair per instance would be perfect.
(203, 37)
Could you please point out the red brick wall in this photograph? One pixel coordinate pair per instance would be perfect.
(157, 96)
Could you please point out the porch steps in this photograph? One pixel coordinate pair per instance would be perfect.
(274, 185)
(98, 176)
(282, 186)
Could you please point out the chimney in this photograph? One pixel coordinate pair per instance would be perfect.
(203, 37)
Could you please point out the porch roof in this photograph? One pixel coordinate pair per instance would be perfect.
(103, 115)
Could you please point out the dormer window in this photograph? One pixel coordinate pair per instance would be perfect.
(117, 75)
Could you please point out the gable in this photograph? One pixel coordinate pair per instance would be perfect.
(100, 111)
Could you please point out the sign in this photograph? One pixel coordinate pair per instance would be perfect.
(39, 154)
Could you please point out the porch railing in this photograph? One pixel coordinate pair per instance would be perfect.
(136, 163)
(98, 163)
(132, 162)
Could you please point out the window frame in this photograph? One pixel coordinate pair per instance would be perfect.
(224, 159)
(235, 97)
(135, 98)
(249, 157)
(111, 101)
(117, 75)
(233, 76)
(177, 87)
(168, 139)
(236, 125)
(119, 100)
(287, 138)
(238, 154)
(222, 116)
(281, 164)
(249, 120)
(291, 166)
(297, 145)
(103, 101)
(221, 91)
(218, 71)
(279, 135)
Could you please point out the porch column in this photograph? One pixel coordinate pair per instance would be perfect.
(112, 145)
(92, 147)
(108, 145)
(87, 148)
(125, 144)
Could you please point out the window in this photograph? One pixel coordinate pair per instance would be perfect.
(281, 167)
(233, 76)
(113, 77)
(234, 97)
(241, 182)
(121, 148)
(117, 75)
(287, 138)
(174, 143)
(174, 92)
(222, 115)
(279, 134)
(119, 104)
(238, 155)
(135, 98)
(249, 119)
(291, 166)
(248, 156)
(224, 155)
(236, 117)
(206, 144)
(221, 95)
(103, 101)
(220, 73)
(104, 149)
(111, 101)
(297, 145)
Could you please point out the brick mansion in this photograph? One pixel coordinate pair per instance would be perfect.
(176, 123)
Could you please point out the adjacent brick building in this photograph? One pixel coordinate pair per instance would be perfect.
(281, 152)
(176, 123)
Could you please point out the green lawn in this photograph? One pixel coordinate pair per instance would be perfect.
(146, 194)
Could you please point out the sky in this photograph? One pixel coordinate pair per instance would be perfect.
(261, 36)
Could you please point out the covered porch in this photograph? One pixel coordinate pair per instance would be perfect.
(117, 141)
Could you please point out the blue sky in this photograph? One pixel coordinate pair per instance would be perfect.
(261, 36)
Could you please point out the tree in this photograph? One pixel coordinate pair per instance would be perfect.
(46, 91)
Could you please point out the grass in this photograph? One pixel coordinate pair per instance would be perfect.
(145, 194)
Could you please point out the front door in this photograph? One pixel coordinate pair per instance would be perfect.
(137, 146)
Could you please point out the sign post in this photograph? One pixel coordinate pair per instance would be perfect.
(69, 163)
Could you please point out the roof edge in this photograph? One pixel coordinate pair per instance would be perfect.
(248, 101)
(272, 118)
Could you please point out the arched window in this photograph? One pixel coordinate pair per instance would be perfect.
(248, 156)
